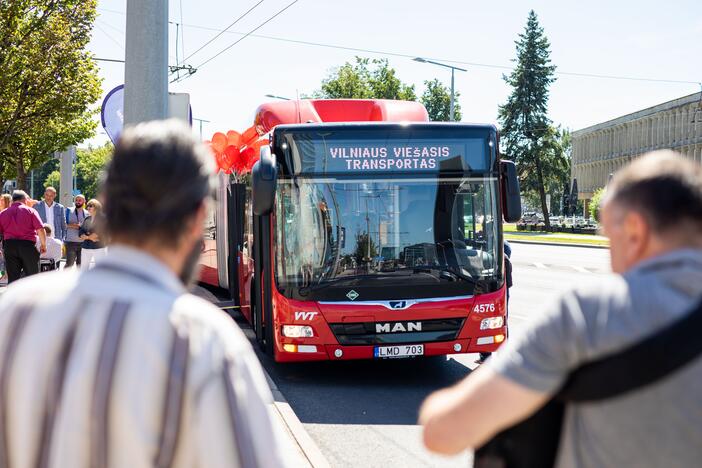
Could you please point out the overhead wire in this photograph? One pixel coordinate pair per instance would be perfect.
(109, 36)
(222, 31)
(182, 33)
(278, 13)
(412, 56)
(454, 61)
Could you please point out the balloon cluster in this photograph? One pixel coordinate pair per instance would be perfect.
(235, 152)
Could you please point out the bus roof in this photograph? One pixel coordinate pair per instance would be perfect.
(272, 114)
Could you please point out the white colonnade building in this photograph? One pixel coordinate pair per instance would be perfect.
(600, 150)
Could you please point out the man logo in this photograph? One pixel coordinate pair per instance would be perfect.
(398, 327)
(353, 295)
(398, 304)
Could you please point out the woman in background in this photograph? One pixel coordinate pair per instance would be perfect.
(93, 248)
(5, 202)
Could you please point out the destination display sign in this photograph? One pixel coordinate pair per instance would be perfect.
(348, 156)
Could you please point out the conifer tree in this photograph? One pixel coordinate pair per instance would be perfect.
(526, 129)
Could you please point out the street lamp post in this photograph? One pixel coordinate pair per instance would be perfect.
(273, 96)
(453, 69)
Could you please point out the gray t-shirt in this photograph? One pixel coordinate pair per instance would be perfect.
(657, 425)
(75, 216)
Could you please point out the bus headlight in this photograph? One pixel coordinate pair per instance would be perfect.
(298, 331)
(491, 323)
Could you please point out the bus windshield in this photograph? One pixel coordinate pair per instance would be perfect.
(352, 239)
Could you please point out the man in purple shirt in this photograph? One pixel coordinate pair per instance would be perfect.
(19, 227)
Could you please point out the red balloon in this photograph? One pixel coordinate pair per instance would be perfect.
(233, 138)
(244, 164)
(249, 136)
(219, 142)
(231, 154)
(221, 162)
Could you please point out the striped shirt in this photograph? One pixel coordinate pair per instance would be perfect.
(119, 367)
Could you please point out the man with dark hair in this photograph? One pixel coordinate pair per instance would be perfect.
(652, 214)
(74, 218)
(19, 227)
(119, 365)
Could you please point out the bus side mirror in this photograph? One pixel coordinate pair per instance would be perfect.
(264, 177)
(511, 199)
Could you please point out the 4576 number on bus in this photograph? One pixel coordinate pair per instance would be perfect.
(484, 308)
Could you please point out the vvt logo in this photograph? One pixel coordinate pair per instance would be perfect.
(305, 315)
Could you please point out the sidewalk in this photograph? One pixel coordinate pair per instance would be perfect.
(298, 449)
(557, 238)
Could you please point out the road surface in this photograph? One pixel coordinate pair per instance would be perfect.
(364, 413)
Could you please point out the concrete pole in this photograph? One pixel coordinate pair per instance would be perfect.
(146, 63)
(451, 108)
(66, 169)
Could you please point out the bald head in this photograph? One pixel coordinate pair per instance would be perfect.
(652, 206)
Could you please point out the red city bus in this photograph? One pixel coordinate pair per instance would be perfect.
(367, 233)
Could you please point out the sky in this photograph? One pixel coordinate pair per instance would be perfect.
(641, 39)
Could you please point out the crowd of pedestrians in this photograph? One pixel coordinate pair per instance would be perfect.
(52, 229)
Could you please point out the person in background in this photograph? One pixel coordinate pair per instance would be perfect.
(54, 248)
(92, 248)
(652, 215)
(19, 227)
(73, 243)
(119, 366)
(5, 202)
(52, 213)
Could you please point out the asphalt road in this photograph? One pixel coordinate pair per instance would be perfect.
(364, 413)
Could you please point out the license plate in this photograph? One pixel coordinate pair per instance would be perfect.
(399, 351)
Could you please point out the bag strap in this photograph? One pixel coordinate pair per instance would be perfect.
(641, 364)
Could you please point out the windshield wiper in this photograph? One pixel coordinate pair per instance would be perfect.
(450, 270)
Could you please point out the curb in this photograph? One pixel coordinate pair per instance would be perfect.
(294, 427)
(557, 244)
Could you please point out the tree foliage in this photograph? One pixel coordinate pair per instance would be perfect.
(366, 249)
(594, 208)
(90, 165)
(365, 79)
(437, 100)
(527, 134)
(48, 80)
(53, 179)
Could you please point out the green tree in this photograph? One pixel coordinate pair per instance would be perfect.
(365, 79)
(53, 180)
(595, 201)
(366, 249)
(90, 165)
(48, 81)
(526, 129)
(437, 100)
